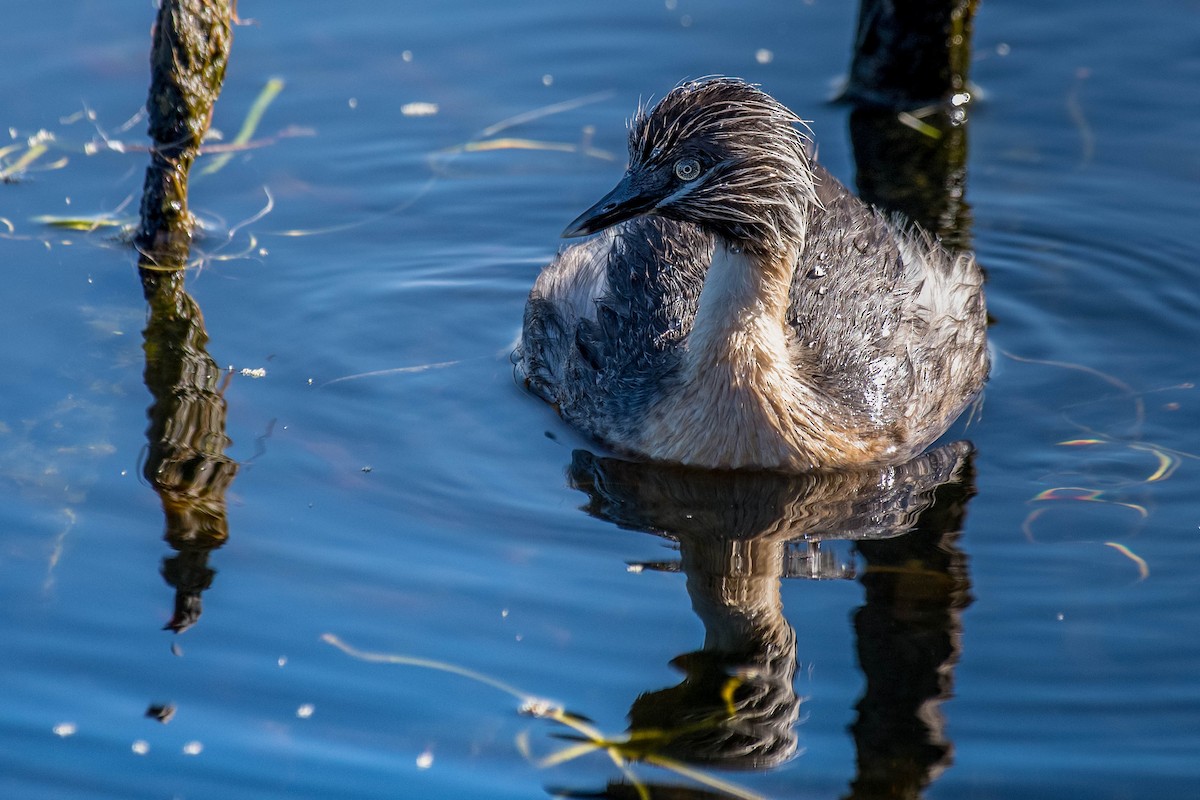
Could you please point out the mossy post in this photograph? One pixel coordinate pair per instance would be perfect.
(186, 440)
(191, 46)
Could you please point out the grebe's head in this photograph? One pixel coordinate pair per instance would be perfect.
(718, 153)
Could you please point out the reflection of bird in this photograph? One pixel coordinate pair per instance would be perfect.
(737, 706)
(748, 311)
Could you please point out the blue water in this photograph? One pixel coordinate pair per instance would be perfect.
(397, 490)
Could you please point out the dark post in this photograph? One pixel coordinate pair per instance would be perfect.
(911, 53)
(187, 66)
(909, 88)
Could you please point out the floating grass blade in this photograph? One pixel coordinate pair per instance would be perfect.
(21, 164)
(250, 124)
(1143, 567)
(428, 663)
(622, 752)
(84, 223)
(921, 127)
(703, 778)
(1167, 462)
(544, 111)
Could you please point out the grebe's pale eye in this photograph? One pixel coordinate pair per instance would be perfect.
(687, 169)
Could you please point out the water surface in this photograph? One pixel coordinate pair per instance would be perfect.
(1034, 636)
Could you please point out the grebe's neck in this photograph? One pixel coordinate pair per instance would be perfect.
(743, 308)
(740, 400)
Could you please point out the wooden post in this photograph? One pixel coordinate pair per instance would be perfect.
(191, 46)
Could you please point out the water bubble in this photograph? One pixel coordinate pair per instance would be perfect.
(419, 109)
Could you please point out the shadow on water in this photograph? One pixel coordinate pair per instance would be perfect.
(185, 462)
(739, 534)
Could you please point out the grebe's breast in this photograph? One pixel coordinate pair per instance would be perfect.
(881, 344)
(606, 322)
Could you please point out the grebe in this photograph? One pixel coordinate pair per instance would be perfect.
(742, 309)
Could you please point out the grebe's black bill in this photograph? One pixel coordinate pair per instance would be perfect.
(628, 199)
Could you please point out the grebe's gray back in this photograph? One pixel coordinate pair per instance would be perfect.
(743, 309)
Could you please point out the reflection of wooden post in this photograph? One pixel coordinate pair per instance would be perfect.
(186, 461)
(909, 634)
